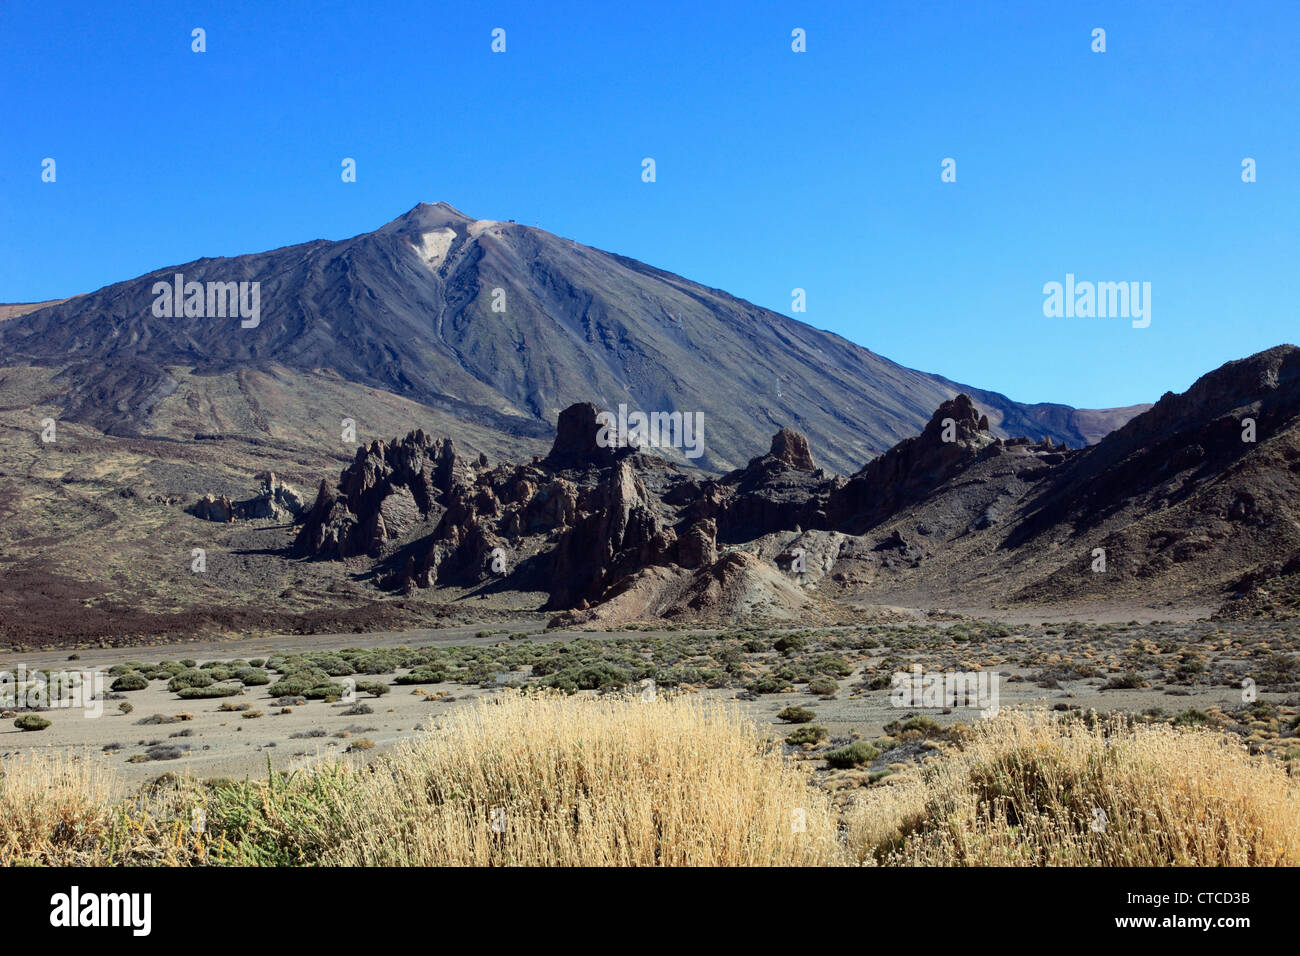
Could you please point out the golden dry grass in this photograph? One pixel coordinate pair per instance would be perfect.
(544, 781)
(53, 806)
(593, 782)
(1032, 789)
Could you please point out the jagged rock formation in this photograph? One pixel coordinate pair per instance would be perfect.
(589, 525)
(954, 437)
(790, 447)
(386, 492)
(275, 500)
(1175, 497)
(619, 533)
(576, 445)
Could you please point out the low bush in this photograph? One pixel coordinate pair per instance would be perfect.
(856, 754)
(807, 734)
(823, 687)
(211, 691)
(795, 715)
(422, 675)
(190, 678)
(132, 680)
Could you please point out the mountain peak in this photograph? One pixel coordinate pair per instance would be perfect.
(430, 216)
(500, 326)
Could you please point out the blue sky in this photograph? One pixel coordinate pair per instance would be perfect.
(775, 170)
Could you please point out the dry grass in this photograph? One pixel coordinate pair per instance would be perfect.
(54, 807)
(592, 782)
(1025, 789)
(521, 780)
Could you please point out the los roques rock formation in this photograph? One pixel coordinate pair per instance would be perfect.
(881, 485)
(1181, 502)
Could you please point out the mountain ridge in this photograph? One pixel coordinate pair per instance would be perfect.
(1192, 497)
(408, 308)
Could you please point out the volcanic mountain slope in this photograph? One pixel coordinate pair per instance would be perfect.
(492, 324)
(1181, 501)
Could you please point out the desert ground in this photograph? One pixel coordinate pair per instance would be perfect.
(1184, 671)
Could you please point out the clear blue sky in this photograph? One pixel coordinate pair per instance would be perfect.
(776, 170)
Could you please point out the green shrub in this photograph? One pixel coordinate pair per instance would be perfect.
(132, 680)
(422, 675)
(880, 681)
(597, 676)
(853, 755)
(914, 728)
(601, 676)
(807, 734)
(326, 691)
(252, 676)
(300, 678)
(768, 685)
(210, 690)
(789, 643)
(823, 687)
(1126, 681)
(191, 677)
(334, 666)
(31, 722)
(376, 688)
(1193, 718)
(832, 665)
(796, 715)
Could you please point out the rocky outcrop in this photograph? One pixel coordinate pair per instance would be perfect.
(387, 491)
(698, 548)
(274, 500)
(576, 445)
(780, 491)
(955, 436)
(792, 448)
(1202, 432)
(501, 507)
(619, 533)
(607, 533)
(213, 508)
